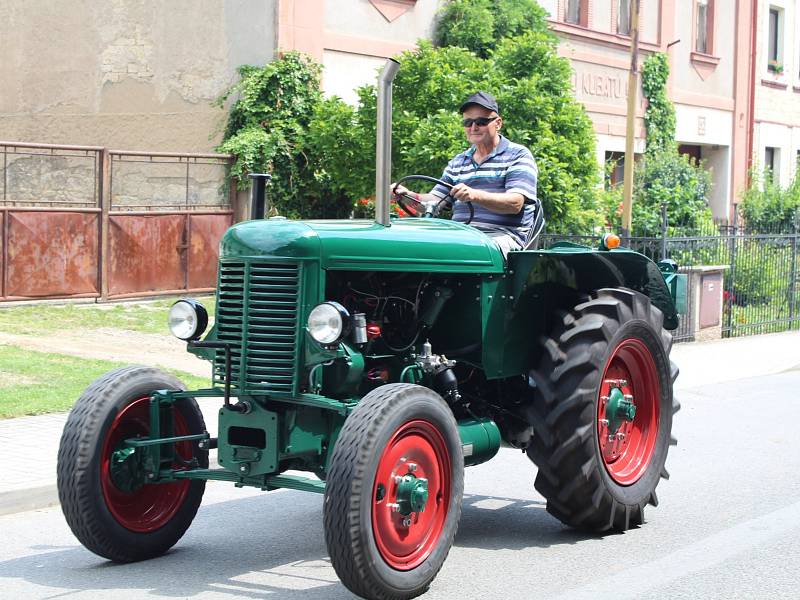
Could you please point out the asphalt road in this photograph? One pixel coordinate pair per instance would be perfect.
(726, 527)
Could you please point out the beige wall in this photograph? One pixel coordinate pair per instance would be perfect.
(777, 96)
(353, 38)
(126, 74)
(690, 73)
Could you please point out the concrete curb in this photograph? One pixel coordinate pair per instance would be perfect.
(16, 501)
(43, 496)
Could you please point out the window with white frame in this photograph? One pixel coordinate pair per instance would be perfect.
(704, 26)
(624, 17)
(775, 40)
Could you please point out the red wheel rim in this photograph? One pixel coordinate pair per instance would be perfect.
(152, 505)
(417, 443)
(627, 451)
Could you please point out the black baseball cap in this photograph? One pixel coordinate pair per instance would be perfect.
(483, 99)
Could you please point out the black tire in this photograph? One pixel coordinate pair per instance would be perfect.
(125, 526)
(356, 498)
(583, 481)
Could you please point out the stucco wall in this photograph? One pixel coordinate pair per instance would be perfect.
(695, 76)
(358, 35)
(130, 74)
(777, 95)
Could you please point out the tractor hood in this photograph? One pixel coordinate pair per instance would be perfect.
(407, 245)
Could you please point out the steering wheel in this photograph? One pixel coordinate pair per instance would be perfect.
(413, 207)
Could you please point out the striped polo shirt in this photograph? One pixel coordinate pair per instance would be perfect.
(509, 168)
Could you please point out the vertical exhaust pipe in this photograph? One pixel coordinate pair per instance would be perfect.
(258, 194)
(383, 148)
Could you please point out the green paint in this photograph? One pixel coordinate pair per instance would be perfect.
(273, 272)
(248, 443)
(126, 469)
(419, 245)
(265, 482)
(618, 410)
(412, 494)
(480, 440)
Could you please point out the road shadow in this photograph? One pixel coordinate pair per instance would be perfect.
(266, 546)
(498, 523)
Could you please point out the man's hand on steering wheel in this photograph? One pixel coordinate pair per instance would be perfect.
(465, 193)
(410, 202)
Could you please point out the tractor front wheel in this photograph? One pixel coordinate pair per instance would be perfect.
(393, 495)
(602, 407)
(104, 495)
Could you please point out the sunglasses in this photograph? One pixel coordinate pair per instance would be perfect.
(480, 121)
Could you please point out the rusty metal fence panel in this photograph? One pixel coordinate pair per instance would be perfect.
(84, 221)
(50, 199)
(162, 209)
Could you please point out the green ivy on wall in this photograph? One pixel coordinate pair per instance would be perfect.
(659, 117)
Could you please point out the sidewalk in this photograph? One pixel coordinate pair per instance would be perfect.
(29, 445)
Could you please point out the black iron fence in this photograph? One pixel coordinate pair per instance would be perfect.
(760, 272)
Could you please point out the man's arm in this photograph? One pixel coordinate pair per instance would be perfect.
(504, 203)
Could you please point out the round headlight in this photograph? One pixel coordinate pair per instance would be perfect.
(328, 322)
(188, 319)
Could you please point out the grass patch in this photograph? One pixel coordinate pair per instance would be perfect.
(44, 319)
(34, 383)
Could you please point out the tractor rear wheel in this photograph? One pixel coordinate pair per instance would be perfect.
(602, 411)
(393, 495)
(110, 508)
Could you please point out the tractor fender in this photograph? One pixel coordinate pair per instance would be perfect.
(540, 283)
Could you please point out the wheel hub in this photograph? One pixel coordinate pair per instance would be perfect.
(126, 470)
(412, 494)
(619, 409)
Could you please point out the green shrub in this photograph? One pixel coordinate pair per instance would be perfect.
(659, 116)
(662, 176)
(321, 153)
(767, 207)
(478, 25)
(669, 178)
(757, 279)
(266, 131)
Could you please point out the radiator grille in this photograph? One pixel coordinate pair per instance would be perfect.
(257, 314)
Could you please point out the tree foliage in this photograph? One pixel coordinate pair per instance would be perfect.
(478, 25)
(531, 84)
(267, 132)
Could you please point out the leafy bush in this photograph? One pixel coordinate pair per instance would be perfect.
(659, 117)
(757, 265)
(266, 131)
(767, 207)
(668, 178)
(478, 25)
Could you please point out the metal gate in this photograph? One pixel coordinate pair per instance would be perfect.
(84, 221)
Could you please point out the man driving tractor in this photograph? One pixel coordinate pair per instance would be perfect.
(496, 175)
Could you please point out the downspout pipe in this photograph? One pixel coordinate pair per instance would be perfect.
(383, 147)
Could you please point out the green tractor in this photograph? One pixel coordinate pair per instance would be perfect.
(371, 362)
